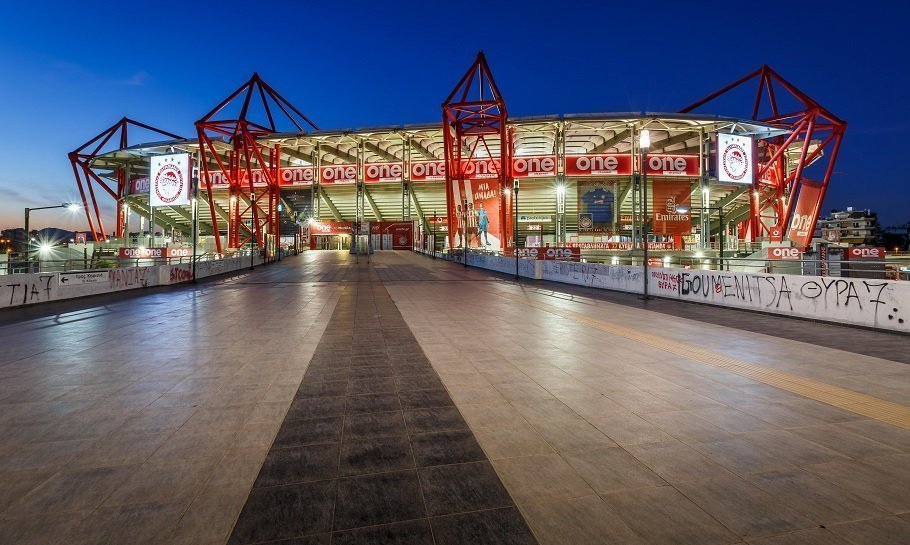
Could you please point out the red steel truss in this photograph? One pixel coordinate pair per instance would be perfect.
(473, 115)
(241, 156)
(814, 132)
(86, 178)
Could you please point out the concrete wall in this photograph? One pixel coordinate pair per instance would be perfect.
(29, 289)
(882, 304)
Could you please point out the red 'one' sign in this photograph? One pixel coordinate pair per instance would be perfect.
(549, 254)
(153, 253)
(866, 252)
(784, 253)
(382, 172)
(337, 174)
(597, 165)
(672, 165)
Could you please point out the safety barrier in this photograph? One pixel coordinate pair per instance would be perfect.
(33, 288)
(874, 303)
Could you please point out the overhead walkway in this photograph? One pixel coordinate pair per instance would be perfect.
(411, 400)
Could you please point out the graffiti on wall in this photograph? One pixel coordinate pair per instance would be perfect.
(27, 289)
(855, 299)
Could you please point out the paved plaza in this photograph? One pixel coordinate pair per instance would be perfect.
(331, 399)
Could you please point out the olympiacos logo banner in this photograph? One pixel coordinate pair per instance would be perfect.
(734, 159)
(170, 180)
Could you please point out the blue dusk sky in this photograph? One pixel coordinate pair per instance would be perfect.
(71, 69)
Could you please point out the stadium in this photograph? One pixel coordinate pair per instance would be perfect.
(260, 173)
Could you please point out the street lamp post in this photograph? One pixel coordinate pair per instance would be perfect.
(464, 232)
(433, 235)
(515, 230)
(72, 207)
(644, 143)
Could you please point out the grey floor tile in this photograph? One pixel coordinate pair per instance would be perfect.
(495, 527)
(312, 431)
(372, 425)
(299, 464)
(415, 532)
(578, 521)
(878, 531)
(462, 487)
(612, 469)
(382, 498)
(446, 447)
(376, 455)
(284, 512)
(434, 419)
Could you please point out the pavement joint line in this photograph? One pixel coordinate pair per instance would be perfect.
(859, 403)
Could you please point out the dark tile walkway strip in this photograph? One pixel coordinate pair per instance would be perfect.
(373, 449)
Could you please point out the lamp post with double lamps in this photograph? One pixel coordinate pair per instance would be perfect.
(644, 143)
(72, 207)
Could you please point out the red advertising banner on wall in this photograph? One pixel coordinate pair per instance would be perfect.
(805, 214)
(672, 165)
(666, 197)
(139, 185)
(426, 171)
(337, 174)
(865, 252)
(548, 253)
(402, 232)
(383, 172)
(598, 165)
(782, 253)
(534, 166)
(288, 176)
(617, 245)
(330, 228)
(153, 253)
(479, 223)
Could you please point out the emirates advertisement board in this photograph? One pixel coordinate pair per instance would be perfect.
(170, 180)
(666, 199)
(802, 222)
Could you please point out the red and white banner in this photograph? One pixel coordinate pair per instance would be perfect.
(330, 228)
(666, 198)
(547, 254)
(427, 171)
(598, 165)
(383, 172)
(805, 214)
(865, 252)
(783, 253)
(288, 176)
(617, 245)
(672, 165)
(337, 174)
(534, 166)
(139, 186)
(154, 253)
(170, 180)
(402, 232)
(479, 225)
